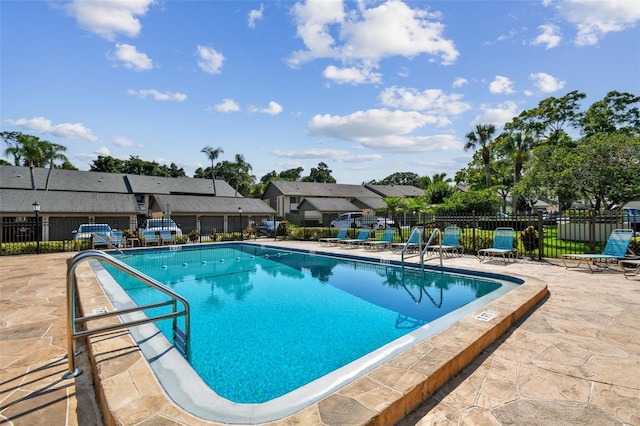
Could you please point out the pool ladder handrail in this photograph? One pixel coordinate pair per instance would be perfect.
(426, 247)
(418, 230)
(181, 338)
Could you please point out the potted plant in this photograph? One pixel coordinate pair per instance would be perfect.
(530, 238)
(194, 235)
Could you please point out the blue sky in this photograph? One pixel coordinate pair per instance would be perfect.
(368, 87)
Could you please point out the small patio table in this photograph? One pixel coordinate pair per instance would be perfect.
(633, 262)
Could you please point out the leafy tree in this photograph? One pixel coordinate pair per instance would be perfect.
(212, 154)
(106, 164)
(426, 181)
(438, 192)
(4, 162)
(485, 201)
(321, 174)
(399, 178)
(292, 175)
(395, 206)
(480, 139)
(26, 148)
(236, 174)
(517, 147)
(615, 113)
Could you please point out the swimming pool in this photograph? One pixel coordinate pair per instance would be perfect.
(289, 327)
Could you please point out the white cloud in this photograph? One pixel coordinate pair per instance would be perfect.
(109, 18)
(63, 130)
(459, 82)
(131, 58)
(255, 15)
(274, 108)
(227, 105)
(383, 129)
(546, 83)
(367, 36)
(351, 75)
(497, 115)
(432, 100)
(595, 18)
(335, 155)
(210, 60)
(123, 142)
(501, 85)
(550, 36)
(158, 96)
(103, 150)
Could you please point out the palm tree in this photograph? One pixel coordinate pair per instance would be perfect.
(212, 154)
(50, 153)
(518, 147)
(480, 138)
(243, 166)
(27, 148)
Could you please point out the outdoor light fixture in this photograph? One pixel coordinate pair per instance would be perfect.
(36, 210)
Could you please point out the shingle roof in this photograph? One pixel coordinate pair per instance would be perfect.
(396, 190)
(329, 205)
(194, 204)
(314, 189)
(182, 185)
(19, 201)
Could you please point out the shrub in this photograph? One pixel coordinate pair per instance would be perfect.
(530, 238)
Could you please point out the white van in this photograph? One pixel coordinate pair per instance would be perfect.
(359, 220)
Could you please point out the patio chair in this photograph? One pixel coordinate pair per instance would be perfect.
(149, 238)
(100, 239)
(363, 235)
(383, 242)
(413, 243)
(342, 234)
(166, 237)
(450, 242)
(117, 239)
(502, 246)
(615, 250)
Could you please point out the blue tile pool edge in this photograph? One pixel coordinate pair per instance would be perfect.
(185, 387)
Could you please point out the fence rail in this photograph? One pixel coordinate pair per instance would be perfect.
(583, 231)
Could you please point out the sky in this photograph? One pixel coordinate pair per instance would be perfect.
(370, 88)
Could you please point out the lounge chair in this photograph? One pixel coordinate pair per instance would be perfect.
(166, 237)
(117, 239)
(502, 246)
(342, 234)
(100, 239)
(150, 237)
(363, 235)
(615, 250)
(383, 242)
(413, 243)
(634, 263)
(450, 242)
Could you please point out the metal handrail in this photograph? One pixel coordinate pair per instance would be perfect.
(426, 247)
(419, 230)
(73, 334)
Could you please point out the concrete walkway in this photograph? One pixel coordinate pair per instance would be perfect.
(573, 360)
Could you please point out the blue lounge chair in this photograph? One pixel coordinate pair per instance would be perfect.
(502, 246)
(383, 242)
(150, 237)
(363, 235)
(413, 243)
(342, 234)
(117, 239)
(100, 239)
(450, 242)
(615, 250)
(166, 237)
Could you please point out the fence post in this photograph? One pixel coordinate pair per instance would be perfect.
(592, 230)
(473, 231)
(540, 235)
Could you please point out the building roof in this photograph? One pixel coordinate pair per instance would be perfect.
(20, 202)
(328, 205)
(315, 189)
(195, 204)
(396, 190)
(182, 185)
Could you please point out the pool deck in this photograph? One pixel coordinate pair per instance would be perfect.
(573, 359)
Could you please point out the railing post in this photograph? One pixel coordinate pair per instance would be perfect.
(540, 235)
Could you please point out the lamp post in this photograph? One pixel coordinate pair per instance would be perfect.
(240, 215)
(36, 210)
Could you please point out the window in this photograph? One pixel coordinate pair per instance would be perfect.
(294, 200)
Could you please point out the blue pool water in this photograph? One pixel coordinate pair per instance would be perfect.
(265, 321)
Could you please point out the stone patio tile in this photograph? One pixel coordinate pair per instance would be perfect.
(500, 384)
(537, 383)
(621, 402)
(549, 412)
(616, 371)
(341, 410)
(478, 416)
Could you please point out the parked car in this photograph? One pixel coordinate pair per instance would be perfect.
(632, 218)
(85, 230)
(267, 228)
(357, 219)
(160, 225)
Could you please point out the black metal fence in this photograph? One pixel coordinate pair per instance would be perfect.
(545, 235)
